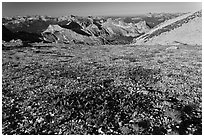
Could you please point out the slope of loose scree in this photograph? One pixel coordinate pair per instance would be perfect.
(185, 29)
(77, 89)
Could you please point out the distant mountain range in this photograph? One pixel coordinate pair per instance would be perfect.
(37, 24)
(86, 30)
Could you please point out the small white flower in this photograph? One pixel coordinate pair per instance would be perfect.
(131, 121)
(100, 131)
(52, 115)
(120, 124)
(29, 107)
(39, 120)
(12, 100)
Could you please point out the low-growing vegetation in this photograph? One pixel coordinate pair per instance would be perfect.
(82, 89)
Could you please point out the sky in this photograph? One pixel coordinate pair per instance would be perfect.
(95, 8)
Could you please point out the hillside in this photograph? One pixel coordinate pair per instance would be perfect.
(186, 29)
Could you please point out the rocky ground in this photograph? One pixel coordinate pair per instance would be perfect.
(106, 89)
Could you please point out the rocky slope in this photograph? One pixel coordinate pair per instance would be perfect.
(186, 29)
